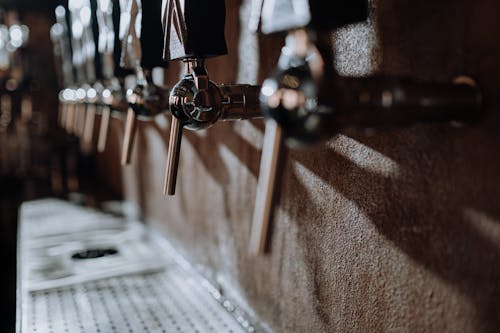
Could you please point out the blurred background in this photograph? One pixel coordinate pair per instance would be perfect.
(36, 158)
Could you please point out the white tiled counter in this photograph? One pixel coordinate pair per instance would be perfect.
(130, 280)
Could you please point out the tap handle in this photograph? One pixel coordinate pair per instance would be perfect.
(95, 57)
(88, 19)
(152, 34)
(60, 33)
(174, 148)
(270, 169)
(120, 22)
(76, 32)
(88, 128)
(103, 129)
(106, 36)
(130, 32)
(128, 137)
(286, 15)
(193, 29)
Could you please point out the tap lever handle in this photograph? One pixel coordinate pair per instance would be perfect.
(270, 168)
(193, 29)
(151, 35)
(88, 129)
(103, 129)
(130, 35)
(106, 36)
(285, 15)
(174, 148)
(128, 137)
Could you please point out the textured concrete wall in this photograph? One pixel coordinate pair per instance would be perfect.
(394, 232)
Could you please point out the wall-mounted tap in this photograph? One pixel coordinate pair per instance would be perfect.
(83, 56)
(305, 101)
(59, 34)
(194, 31)
(13, 83)
(112, 94)
(142, 53)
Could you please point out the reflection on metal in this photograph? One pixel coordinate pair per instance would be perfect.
(144, 287)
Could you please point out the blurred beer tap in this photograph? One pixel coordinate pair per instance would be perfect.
(306, 102)
(13, 74)
(194, 31)
(142, 52)
(111, 94)
(59, 34)
(82, 57)
(88, 93)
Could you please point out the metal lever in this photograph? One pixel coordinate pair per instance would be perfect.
(130, 58)
(146, 99)
(270, 167)
(110, 46)
(60, 39)
(174, 149)
(128, 137)
(83, 60)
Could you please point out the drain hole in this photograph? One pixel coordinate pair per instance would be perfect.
(94, 253)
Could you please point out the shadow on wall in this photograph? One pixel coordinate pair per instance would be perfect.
(442, 207)
(439, 206)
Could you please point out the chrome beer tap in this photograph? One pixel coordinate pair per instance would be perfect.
(112, 96)
(194, 31)
(13, 37)
(305, 101)
(62, 51)
(142, 53)
(83, 61)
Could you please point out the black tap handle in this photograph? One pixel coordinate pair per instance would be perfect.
(151, 35)
(285, 15)
(330, 15)
(95, 34)
(195, 32)
(119, 71)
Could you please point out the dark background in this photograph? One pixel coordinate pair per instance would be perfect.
(50, 149)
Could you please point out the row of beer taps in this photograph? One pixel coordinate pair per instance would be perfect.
(14, 37)
(16, 111)
(100, 43)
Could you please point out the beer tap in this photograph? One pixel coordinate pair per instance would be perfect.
(112, 95)
(194, 31)
(83, 59)
(142, 53)
(306, 102)
(13, 37)
(62, 51)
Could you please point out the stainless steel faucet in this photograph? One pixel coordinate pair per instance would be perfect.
(305, 101)
(112, 95)
(139, 53)
(83, 60)
(59, 34)
(192, 34)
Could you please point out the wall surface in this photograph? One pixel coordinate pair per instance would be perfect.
(394, 232)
